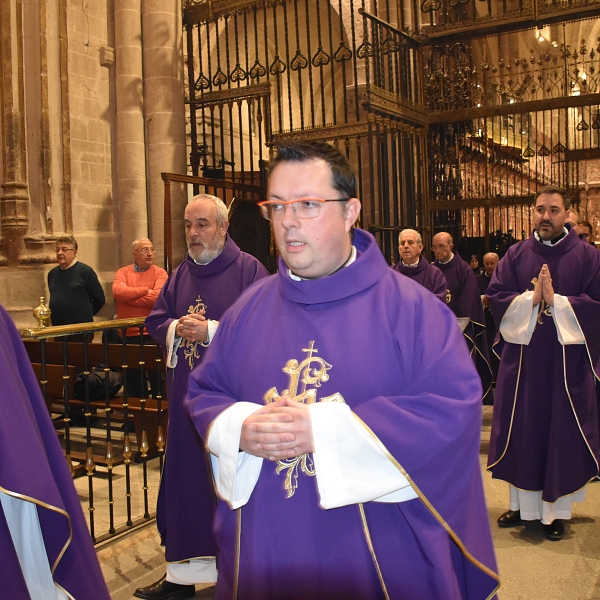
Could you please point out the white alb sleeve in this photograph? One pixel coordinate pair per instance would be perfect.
(350, 465)
(235, 472)
(518, 322)
(212, 329)
(173, 342)
(566, 322)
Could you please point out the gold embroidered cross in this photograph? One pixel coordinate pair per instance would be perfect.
(312, 371)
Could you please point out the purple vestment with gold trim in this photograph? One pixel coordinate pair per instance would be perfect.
(464, 300)
(429, 276)
(395, 355)
(33, 468)
(186, 500)
(545, 429)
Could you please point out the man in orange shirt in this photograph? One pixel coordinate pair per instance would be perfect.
(135, 290)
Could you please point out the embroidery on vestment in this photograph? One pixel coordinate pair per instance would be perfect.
(448, 296)
(190, 350)
(544, 309)
(302, 375)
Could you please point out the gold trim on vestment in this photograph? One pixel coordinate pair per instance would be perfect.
(573, 407)
(431, 508)
(596, 375)
(238, 543)
(512, 416)
(60, 511)
(367, 533)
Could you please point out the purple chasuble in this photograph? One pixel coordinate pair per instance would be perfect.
(186, 499)
(464, 300)
(483, 281)
(545, 433)
(404, 371)
(429, 276)
(33, 469)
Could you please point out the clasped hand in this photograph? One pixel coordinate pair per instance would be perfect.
(543, 289)
(279, 430)
(192, 327)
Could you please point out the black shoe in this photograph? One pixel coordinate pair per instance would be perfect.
(555, 530)
(165, 590)
(510, 518)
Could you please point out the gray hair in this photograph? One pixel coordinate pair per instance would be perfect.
(493, 254)
(67, 240)
(417, 235)
(136, 242)
(222, 213)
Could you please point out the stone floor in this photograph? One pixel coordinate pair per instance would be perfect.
(531, 567)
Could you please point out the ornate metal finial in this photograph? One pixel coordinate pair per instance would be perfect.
(42, 313)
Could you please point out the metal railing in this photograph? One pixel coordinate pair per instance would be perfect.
(117, 441)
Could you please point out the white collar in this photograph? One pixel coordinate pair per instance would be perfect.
(66, 268)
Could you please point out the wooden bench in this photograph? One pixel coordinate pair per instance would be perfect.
(149, 418)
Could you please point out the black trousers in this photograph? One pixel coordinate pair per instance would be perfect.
(137, 380)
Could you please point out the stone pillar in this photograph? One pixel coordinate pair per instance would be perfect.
(14, 201)
(130, 143)
(164, 116)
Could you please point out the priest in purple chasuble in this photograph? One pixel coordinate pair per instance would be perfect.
(184, 321)
(342, 415)
(545, 296)
(462, 297)
(414, 265)
(46, 552)
(490, 260)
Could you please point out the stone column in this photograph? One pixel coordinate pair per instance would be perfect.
(130, 143)
(165, 116)
(14, 201)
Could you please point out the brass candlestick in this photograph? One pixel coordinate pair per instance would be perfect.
(42, 313)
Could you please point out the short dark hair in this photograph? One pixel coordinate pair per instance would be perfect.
(554, 189)
(67, 240)
(588, 225)
(343, 176)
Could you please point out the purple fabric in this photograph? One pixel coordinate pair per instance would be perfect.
(429, 276)
(396, 356)
(540, 442)
(186, 499)
(33, 465)
(464, 300)
(483, 281)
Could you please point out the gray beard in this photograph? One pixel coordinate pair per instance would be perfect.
(205, 256)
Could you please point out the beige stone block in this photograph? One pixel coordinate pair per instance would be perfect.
(76, 21)
(78, 128)
(98, 131)
(84, 176)
(100, 174)
(90, 193)
(130, 58)
(158, 62)
(20, 291)
(94, 218)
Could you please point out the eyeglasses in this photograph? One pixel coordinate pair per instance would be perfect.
(146, 250)
(440, 247)
(64, 250)
(304, 208)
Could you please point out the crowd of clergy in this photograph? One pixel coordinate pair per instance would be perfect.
(316, 455)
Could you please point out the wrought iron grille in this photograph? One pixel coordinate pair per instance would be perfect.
(343, 71)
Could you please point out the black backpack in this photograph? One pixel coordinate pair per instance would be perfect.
(98, 381)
